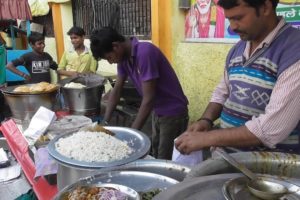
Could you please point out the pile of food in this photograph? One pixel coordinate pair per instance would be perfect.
(93, 147)
(95, 193)
(35, 88)
(74, 85)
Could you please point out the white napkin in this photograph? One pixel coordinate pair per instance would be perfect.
(38, 124)
(192, 159)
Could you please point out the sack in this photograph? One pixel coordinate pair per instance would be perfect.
(192, 159)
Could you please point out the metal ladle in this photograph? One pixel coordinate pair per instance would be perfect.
(259, 187)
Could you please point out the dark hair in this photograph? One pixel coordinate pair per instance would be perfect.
(76, 31)
(34, 37)
(227, 4)
(102, 39)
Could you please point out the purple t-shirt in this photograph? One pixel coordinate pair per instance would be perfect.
(149, 63)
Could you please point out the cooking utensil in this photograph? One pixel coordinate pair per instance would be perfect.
(135, 139)
(24, 106)
(129, 192)
(67, 175)
(236, 188)
(258, 186)
(138, 181)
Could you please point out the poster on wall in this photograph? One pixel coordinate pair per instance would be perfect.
(207, 20)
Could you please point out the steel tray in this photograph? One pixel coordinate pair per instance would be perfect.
(138, 181)
(137, 140)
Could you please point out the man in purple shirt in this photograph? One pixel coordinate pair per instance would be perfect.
(154, 79)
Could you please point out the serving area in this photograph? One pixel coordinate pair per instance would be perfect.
(135, 174)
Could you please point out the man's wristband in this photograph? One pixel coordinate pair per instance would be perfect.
(211, 123)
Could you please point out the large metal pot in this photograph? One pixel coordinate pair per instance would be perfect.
(84, 101)
(273, 163)
(67, 175)
(70, 170)
(24, 106)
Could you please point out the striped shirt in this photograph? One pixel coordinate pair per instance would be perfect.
(282, 114)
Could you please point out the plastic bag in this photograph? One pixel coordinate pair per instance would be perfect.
(192, 159)
(39, 7)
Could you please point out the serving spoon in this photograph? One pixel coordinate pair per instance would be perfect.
(264, 189)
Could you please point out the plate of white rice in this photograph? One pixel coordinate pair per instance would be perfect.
(97, 149)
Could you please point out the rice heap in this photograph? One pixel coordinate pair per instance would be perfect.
(92, 147)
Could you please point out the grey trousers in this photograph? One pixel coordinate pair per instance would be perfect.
(164, 130)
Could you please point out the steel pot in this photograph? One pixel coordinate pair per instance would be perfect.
(273, 163)
(84, 101)
(24, 106)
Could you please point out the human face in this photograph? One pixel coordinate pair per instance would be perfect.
(38, 46)
(112, 57)
(246, 21)
(116, 55)
(77, 41)
(203, 6)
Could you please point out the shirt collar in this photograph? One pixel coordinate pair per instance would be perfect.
(134, 43)
(86, 50)
(270, 37)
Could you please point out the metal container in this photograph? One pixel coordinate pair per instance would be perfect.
(84, 101)
(138, 181)
(24, 106)
(212, 187)
(69, 170)
(67, 175)
(273, 163)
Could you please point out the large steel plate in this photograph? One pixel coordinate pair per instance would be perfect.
(236, 188)
(137, 140)
(158, 166)
(205, 187)
(138, 181)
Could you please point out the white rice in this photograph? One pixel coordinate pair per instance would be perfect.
(93, 147)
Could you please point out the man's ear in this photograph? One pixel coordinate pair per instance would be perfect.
(268, 7)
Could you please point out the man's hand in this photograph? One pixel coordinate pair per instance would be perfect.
(200, 126)
(190, 141)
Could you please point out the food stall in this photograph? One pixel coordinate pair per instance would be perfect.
(146, 174)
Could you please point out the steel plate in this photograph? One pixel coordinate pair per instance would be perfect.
(138, 181)
(209, 187)
(137, 140)
(205, 187)
(236, 188)
(10, 90)
(158, 166)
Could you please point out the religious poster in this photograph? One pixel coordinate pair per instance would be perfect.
(207, 20)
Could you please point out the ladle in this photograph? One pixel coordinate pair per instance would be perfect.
(259, 187)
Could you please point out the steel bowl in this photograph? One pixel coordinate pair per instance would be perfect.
(24, 106)
(138, 181)
(129, 192)
(67, 175)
